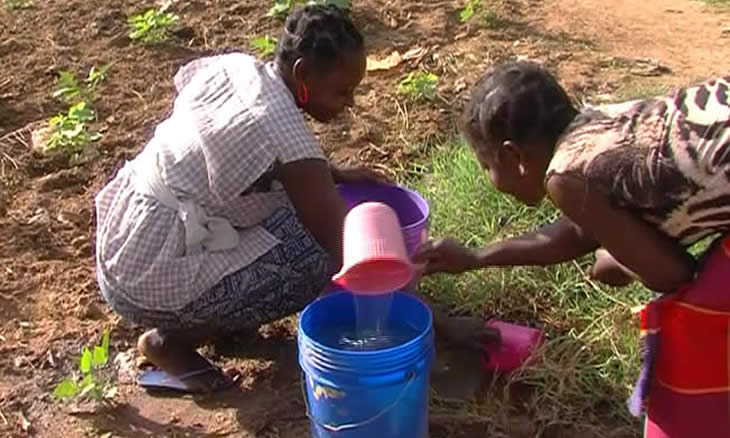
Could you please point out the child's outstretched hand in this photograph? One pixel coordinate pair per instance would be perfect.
(446, 255)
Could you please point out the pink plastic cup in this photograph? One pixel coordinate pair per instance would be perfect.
(375, 260)
(518, 343)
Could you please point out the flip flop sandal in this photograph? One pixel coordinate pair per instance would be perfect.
(158, 380)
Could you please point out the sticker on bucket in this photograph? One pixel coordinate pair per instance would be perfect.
(323, 392)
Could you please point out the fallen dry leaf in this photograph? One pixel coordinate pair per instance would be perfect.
(50, 359)
(416, 52)
(24, 423)
(391, 61)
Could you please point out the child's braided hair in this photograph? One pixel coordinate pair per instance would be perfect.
(517, 101)
(318, 32)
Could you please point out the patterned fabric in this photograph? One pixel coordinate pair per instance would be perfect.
(233, 121)
(666, 158)
(684, 384)
(649, 348)
(280, 283)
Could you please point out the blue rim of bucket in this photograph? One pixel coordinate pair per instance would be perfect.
(364, 353)
(378, 365)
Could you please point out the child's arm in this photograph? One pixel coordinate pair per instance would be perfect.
(554, 243)
(656, 259)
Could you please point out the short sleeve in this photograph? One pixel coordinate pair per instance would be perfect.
(187, 72)
(287, 130)
(233, 148)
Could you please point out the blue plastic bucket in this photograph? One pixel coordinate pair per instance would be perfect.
(365, 393)
(412, 209)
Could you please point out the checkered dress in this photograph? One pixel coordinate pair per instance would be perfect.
(232, 121)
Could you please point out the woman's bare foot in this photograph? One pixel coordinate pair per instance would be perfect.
(174, 351)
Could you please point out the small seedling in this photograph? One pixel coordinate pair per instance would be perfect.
(70, 133)
(88, 383)
(342, 4)
(70, 90)
(281, 8)
(471, 8)
(284, 7)
(419, 86)
(16, 5)
(265, 46)
(152, 26)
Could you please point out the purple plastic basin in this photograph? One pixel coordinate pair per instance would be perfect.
(412, 209)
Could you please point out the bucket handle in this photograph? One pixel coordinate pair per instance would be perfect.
(348, 426)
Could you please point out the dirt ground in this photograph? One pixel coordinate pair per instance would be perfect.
(49, 303)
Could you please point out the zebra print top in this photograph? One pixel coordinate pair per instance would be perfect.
(666, 158)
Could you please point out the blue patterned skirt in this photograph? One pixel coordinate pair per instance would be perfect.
(279, 283)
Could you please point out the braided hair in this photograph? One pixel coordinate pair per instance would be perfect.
(318, 32)
(517, 101)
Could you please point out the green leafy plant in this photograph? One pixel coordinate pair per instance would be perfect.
(471, 8)
(281, 8)
(152, 26)
(284, 7)
(70, 133)
(88, 383)
(16, 5)
(69, 89)
(265, 46)
(342, 4)
(420, 86)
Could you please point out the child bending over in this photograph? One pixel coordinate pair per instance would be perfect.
(637, 183)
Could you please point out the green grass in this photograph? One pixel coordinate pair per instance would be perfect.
(592, 358)
(641, 90)
(17, 5)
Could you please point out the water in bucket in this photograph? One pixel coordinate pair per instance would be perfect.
(372, 330)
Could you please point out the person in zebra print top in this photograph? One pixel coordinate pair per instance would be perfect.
(637, 182)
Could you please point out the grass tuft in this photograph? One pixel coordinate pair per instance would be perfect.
(587, 368)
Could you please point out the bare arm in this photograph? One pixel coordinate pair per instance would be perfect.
(319, 207)
(555, 243)
(658, 261)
